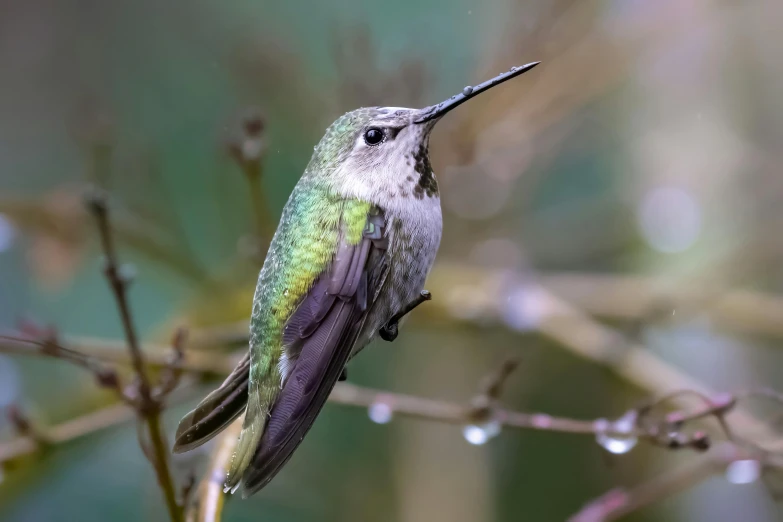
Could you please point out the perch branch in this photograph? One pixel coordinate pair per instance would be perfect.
(483, 407)
(418, 407)
(579, 333)
(650, 426)
(211, 498)
(359, 396)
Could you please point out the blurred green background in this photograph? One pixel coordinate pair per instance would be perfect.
(647, 143)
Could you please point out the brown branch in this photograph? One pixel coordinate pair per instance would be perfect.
(443, 411)
(79, 427)
(119, 278)
(481, 408)
(658, 428)
(148, 407)
(111, 351)
(69, 430)
(581, 334)
(51, 346)
(25, 427)
(578, 332)
(172, 372)
(450, 412)
(211, 497)
(656, 433)
(618, 503)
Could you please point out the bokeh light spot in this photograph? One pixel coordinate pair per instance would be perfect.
(380, 413)
(7, 233)
(669, 219)
(743, 471)
(9, 382)
(478, 434)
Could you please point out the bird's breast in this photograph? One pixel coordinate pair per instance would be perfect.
(414, 238)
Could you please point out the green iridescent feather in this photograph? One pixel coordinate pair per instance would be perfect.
(301, 250)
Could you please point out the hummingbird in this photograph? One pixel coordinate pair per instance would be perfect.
(348, 262)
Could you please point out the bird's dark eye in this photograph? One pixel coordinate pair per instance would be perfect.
(373, 136)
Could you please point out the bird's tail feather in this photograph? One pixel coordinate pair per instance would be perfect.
(216, 411)
(260, 399)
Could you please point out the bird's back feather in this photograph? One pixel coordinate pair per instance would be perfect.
(314, 221)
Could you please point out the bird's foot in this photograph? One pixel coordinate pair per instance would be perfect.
(389, 331)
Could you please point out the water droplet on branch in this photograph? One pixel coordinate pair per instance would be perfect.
(478, 434)
(467, 91)
(617, 437)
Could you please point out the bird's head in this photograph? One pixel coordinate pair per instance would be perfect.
(381, 153)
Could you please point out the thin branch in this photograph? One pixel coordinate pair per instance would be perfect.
(149, 408)
(80, 427)
(50, 346)
(347, 394)
(481, 408)
(581, 334)
(585, 336)
(443, 411)
(172, 372)
(119, 278)
(67, 431)
(211, 497)
(455, 413)
(618, 503)
(111, 351)
(717, 407)
(25, 427)
(662, 429)
(573, 329)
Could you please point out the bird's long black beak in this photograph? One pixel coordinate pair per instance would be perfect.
(436, 111)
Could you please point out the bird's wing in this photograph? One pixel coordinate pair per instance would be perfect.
(320, 335)
(216, 411)
(317, 338)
